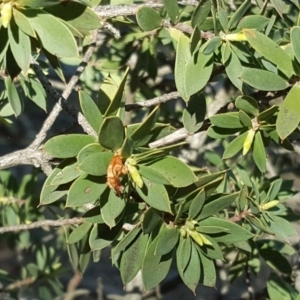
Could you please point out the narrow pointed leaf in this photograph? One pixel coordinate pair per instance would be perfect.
(259, 153)
(90, 110)
(155, 267)
(13, 96)
(235, 146)
(289, 113)
(216, 205)
(183, 55)
(263, 80)
(155, 195)
(262, 44)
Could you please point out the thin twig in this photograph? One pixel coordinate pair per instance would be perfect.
(19, 284)
(52, 223)
(171, 138)
(111, 29)
(43, 223)
(152, 102)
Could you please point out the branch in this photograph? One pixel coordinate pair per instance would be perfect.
(152, 102)
(52, 223)
(111, 11)
(62, 99)
(171, 138)
(43, 223)
(32, 155)
(28, 156)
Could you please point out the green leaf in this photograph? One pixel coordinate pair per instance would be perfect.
(254, 22)
(89, 150)
(259, 153)
(155, 267)
(148, 18)
(19, 45)
(172, 9)
(132, 258)
(197, 204)
(127, 148)
(102, 236)
(215, 205)
(73, 255)
(55, 64)
(127, 240)
(85, 190)
(278, 289)
(234, 146)
(93, 216)
(167, 241)
(211, 46)
(37, 3)
(67, 174)
(155, 195)
(270, 50)
(183, 55)
(223, 18)
(23, 23)
(96, 164)
(111, 208)
(282, 228)
(183, 254)
(239, 13)
(111, 134)
(107, 93)
(50, 193)
(177, 172)
(152, 220)
(90, 110)
(201, 12)
(234, 234)
(36, 93)
(144, 128)
(55, 37)
(245, 119)
(206, 179)
(209, 271)
(115, 105)
(197, 72)
(77, 15)
(13, 96)
(67, 145)
(267, 113)
(226, 52)
(275, 260)
(153, 175)
(194, 114)
(221, 133)
(247, 104)
(295, 36)
(263, 80)
(274, 189)
(289, 113)
(279, 5)
(79, 233)
(192, 273)
(227, 120)
(234, 69)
